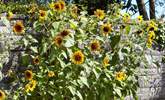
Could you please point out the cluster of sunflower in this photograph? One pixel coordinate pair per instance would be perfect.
(32, 83)
(72, 55)
(152, 27)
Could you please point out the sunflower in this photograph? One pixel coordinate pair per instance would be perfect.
(56, 6)
(106, 61)
(18, 28)
(58, 40)
(152, 27)
(126, 17)
(42, 15)
(64, 33)
(30, 86)
(151, 35)
(140, 19)
(139, 32)
(99, 14)
(94, 45)
(28, 74)
(2, 95)
(74, 11)
(149, 42)
(106, 29)
(9, 15)
(62, 3)
(77, 57)
(120, 76)
(51, 74)
(36, 60)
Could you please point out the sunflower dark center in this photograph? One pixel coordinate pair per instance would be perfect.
(57, 7)
(139, 31)
(64, 33)
(0, 94)
(36, 60)
(59, 41)
(94, 46)
(99, 14)
(28, 74)
(122, 26)
(18, 28)
(151, 29)
(77, 57)
(31, 85)
(42, 14)
(106, 29)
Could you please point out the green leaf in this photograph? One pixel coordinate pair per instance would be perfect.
(1, 65)
(128, 28)
(56, 25)
(25, 58)
(84, 81)
(96, 73)
(34, 49)
(32, 39)
(69, 42)
(114, 41)
(118, 91)
(121, 55)
(5, 21)
(73, 24)
(36, 24)
(44, 48)
(72, 90)
(79, 95)
(64, 54)
(26, 42)
(115, 59)
(62, 63)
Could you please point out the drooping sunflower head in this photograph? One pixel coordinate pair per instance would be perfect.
(106, 29)
(140, 19)
(77, 57)
(120, 76)
(99, 14)
(51, 74)
(42, 15)
(106, 61)
(28, 74)
(65, 33)
(9, 15)
(30, 86)
(58, 40)
(94, 45)
(36, 60)
(18, 28)
(2, 95)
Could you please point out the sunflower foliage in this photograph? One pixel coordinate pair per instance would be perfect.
(72, 55)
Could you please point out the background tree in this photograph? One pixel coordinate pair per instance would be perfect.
(142, 9)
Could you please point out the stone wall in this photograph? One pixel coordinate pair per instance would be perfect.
(151, 79)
